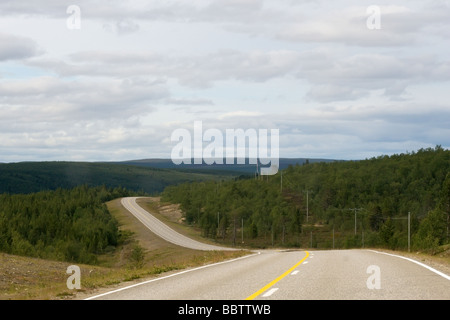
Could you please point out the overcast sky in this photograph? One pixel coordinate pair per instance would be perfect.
(333, 78)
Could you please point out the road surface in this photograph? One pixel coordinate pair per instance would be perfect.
(286, 274)
(162, 230)
(296, 275)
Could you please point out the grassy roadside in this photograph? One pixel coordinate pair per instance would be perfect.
(139, 255)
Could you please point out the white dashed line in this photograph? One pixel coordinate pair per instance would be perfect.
(270, 292)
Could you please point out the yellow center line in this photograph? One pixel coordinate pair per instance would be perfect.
(267, 286)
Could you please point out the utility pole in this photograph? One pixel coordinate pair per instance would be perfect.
(409, 231)
(362, 234)
(409, 228)
(272, 234)
(307, 203)
(448, 214)
(234, 231)
(333, 236)
(355, 209)
(218, 223)
(242, 230)
(281, 183)
(257, 171)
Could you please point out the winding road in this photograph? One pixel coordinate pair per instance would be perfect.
(162, 230)
(287, 275)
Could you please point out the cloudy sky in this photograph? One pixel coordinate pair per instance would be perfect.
(114, 79)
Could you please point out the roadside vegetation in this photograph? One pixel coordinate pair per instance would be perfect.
(65, 225)
(347, 204)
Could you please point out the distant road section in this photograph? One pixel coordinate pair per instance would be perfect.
(162, 230)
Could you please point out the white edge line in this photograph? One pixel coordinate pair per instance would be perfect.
(169, 276)
(417, 262)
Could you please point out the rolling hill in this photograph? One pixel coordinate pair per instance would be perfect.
(149, 175)
(28, 177)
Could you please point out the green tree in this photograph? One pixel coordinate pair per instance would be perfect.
(444, 204)
(386, 232)
(137, 256)
(432, 230)
(375, 218)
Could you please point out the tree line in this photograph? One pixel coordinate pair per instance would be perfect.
(338, 204)
(64, 224)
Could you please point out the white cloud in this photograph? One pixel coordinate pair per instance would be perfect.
(17, 47)
(135, 71)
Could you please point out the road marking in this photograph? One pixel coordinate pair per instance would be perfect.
(294, 273)
(270, 292)
(169, 276)
(305, 262)
(417, 262)
(270, 284)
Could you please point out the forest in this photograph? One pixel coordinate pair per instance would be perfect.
(398, 202)
(64, 224)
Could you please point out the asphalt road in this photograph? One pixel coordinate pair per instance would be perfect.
(162, 230)
(296, 275)
(287, 275)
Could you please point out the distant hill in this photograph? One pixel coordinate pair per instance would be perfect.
(147, 175)
(28, 177)
(236, 168)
